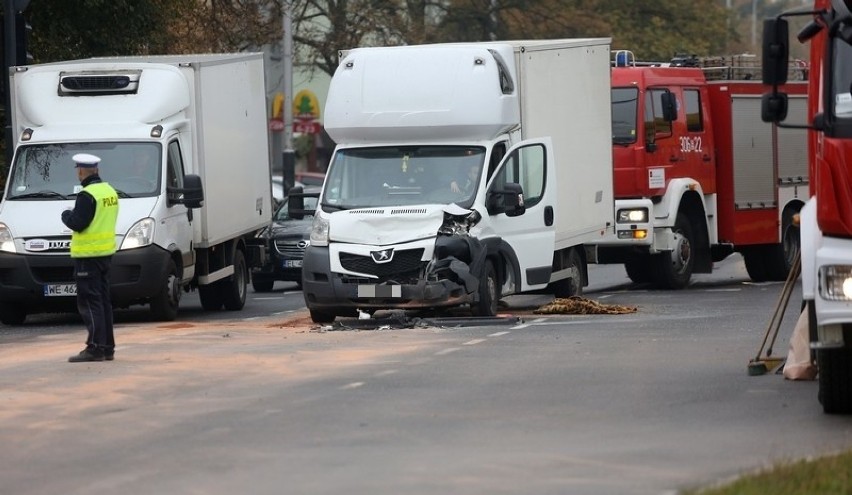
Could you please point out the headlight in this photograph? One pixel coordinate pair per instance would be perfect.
(319, 231)
(7, 242)
(140, 235)
(639, 215)
(836, 282)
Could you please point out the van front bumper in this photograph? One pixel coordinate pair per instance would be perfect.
(135, 276)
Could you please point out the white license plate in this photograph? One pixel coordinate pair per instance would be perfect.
(379, 291)
(292, 263)
(60, 290)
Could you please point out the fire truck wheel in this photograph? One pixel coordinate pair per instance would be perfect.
(488, 292)
(639, 270)
(754, 259)
(674, 269)
(835, 378)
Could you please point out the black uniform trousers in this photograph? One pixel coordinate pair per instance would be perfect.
(94, 302)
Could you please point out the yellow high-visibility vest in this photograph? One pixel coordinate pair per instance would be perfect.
(98, 239)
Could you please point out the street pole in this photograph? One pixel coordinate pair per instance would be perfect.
(289, 173)
(9, 60)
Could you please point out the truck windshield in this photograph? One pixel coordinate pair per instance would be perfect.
(842, 82)
(403, 175)
(624, 110)
(47, 171)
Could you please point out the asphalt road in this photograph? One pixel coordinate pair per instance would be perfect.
(264, 402)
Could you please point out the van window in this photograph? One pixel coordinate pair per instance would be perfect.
(525, 166)
(175, 166)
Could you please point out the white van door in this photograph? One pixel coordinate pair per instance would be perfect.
(529, 229)
(178, 219)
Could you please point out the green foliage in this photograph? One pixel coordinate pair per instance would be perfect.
(64, 30)
(826, 475)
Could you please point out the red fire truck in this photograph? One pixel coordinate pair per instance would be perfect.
(826, 219)
(698, 175)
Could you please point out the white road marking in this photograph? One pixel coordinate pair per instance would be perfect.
(497, 334)
(352, 385)
(444, 352)
(385, 373)
(474, 342)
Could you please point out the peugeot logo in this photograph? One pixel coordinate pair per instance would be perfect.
(383, 256)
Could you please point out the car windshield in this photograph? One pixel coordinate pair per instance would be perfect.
(403, 175)
(47, 170)
(624, 111)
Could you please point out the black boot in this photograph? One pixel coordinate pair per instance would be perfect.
(88, 354)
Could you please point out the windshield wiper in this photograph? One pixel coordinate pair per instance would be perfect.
(334, 207)
(40, 194)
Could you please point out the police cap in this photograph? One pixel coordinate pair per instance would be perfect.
(85, 160)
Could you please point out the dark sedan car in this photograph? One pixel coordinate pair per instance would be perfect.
(286, 240)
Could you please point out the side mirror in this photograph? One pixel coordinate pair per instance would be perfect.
(775, 51)
(773, 107)
(509, 200)
(190, 195)
(669, 104)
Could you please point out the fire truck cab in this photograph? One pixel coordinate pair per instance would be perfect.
(697, 174)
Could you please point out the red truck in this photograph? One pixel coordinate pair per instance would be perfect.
(698, 175)
(826, 219)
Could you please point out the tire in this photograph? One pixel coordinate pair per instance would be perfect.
(755, 265)
(674, 269)
(235, 287)
(488, 292)
(639, 270)
(319, 316)
(12, 315)
(210, 296)
(262, 284)
(781, 257)
(164, 305)
(835, 380)
(573, 285)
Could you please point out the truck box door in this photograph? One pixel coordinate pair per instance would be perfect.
(531, 233)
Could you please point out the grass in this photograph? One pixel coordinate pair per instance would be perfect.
(824, 476)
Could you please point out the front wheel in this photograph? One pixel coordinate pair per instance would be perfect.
(164, 305)
(674, 269)
(835, 380)
(488, 292)
(11, 314)
(319, 316)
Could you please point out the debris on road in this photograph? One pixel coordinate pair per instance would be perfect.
(581, 306)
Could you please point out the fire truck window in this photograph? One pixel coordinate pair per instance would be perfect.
(694, 122)
(655, 124)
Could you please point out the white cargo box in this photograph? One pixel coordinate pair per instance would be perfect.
(393, 94)
(218, 99)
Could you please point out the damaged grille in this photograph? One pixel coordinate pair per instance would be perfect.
(403, 262)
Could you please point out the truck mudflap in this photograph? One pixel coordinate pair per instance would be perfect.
(24, 279)
(451, 278)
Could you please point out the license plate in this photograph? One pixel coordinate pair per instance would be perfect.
(379, 291)
(60, 290)
(292, 263)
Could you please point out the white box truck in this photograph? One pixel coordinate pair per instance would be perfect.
(462, 173)
(183, 140)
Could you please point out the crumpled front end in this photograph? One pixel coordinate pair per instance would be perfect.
(438, 271)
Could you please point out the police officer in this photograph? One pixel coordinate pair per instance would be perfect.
(92, 245)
